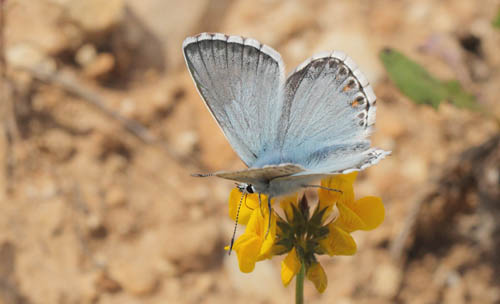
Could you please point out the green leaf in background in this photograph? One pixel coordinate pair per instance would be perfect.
(496, 21)
(460, 98)
(412, 79)
(420, 86)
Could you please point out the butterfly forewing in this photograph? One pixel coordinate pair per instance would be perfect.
(241, 83)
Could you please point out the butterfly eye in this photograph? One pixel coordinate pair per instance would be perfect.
(250, 189)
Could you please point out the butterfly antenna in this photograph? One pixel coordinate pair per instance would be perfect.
(236, 223)
(202, 174)
(322, 187)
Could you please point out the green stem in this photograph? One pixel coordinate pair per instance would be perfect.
(299, 285)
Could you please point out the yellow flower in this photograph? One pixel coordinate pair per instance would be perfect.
(303, 234)
(253, 245)
(343, 183)
(289, 267)
(287, 203)
(317, 275)
(338, 242)
(366, 213)
(249, 202)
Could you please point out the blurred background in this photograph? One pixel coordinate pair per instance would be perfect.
(101, 126)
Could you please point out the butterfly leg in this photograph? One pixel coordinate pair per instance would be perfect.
(260, 206)
(269, 214)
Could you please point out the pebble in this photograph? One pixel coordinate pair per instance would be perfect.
(386, 280)
(95, 15)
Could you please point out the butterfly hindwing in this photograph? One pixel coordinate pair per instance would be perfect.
(259, 175)
(328, 112)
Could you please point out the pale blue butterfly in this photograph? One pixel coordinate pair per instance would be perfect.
(290, 132)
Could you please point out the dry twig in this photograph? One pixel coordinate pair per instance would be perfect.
(7, 115)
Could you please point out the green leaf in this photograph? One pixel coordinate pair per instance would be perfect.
(412, 79)
(420, 86)
(460, 98)
(496, 21)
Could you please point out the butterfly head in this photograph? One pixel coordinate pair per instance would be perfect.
(246, 188)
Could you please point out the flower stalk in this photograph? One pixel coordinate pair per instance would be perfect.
(299, 284)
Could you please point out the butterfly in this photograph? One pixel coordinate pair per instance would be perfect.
(290, 132)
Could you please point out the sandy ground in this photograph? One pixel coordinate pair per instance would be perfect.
(92, 212)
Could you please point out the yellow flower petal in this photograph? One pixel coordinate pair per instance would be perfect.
(317, 275)
(266, 251)
(364, 214)
(253, 245)
(235, 197)
(328, 198)
(289, 267)
(348, 220)
(371, 210)
(249, 202)
(247, 248)
(286, 204)
(338, 242)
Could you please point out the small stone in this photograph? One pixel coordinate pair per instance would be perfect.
(196, 247)
(96, 226)
(134, 277)
(58, 143)
(200, 283)
(137, 266)
(96, 15)
(186, 142)
(415, 169)
(103, 64)
(115, 197)
(386, 280)
(107, 284)
(86, 54)
(35, 23)
(88, 287)
(27, 56)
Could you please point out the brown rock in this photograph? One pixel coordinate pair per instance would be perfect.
(25, 55)
(387, 279)
(101, 65)
(35, 23)
(135, 265)
(107, 284)
(193, 246)
(58, 143)
(95, 15)
(85, 54)
(134, 277)
(115, 196)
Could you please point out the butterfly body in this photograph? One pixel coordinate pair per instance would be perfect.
(292, 131)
